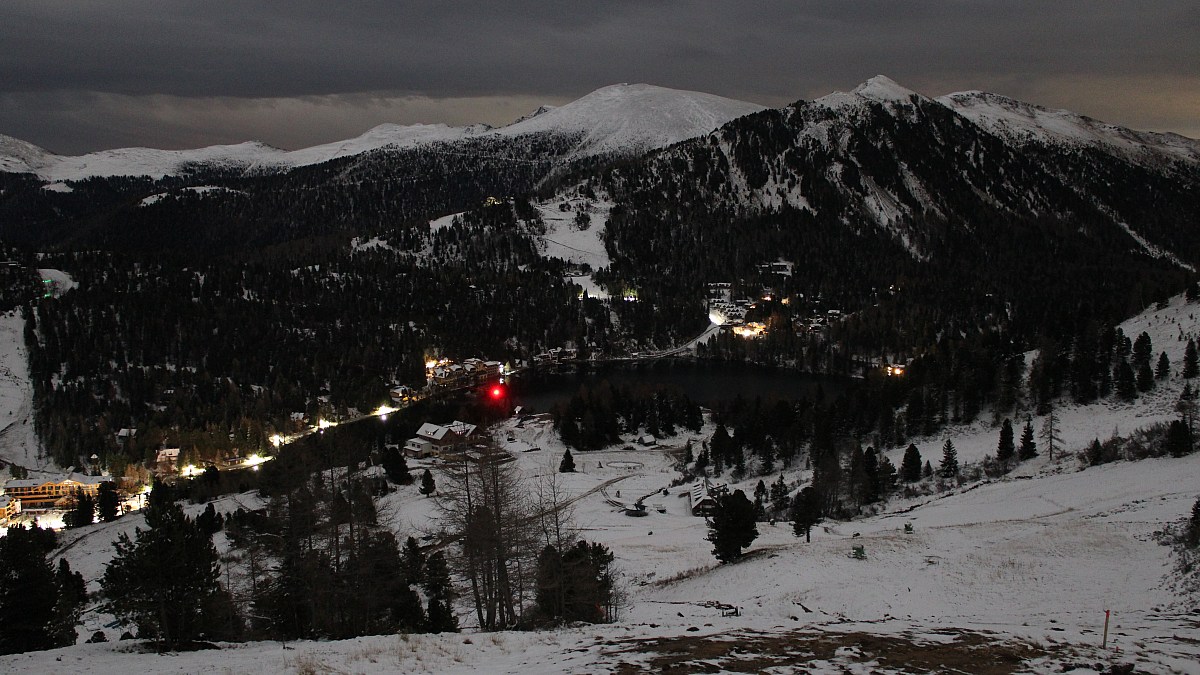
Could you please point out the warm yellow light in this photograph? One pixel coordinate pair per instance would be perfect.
(384, 410)
(255, 460)
(325, 424)
(276, 440)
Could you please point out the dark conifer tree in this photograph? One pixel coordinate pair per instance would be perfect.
(567, 465)
(165, 578)
(28, 592)
(779, 496)
(927, 471)
(1006, 449)
(1143, 349)
(1126, 382)
(949, 465)
(395, 465)
(107, 502)
(1178, 440)
(84, 512)
(910, 466)
(1192, 532)
(1163, 370)
(1191, 361)
(1145, 377)
(414, 561)
(805, 512)
(1028, 445)
(428, 487)
(440, 615)
(886, 481)
(732, 526)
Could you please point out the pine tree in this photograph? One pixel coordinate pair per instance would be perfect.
(107, 502)
(1095, 453)
(414, 561)
(910, 466)
(1163, 370)
(1178, 441)
(805, 512)
(29, 596)
(1192, 534)
(427, 485)
(1191, 360)
(779, 495)
(1049, 434)
(440, 614)
(1028, 446)
(886, 481)
(1006, 449)
(396, 466)
(732, 526)
(165, 578)
(949, 465)
(1142, 350)
(567, 465)
(1186, 406)
(1145, 377)
(927, 472)
(1126, 382)
(84, 512)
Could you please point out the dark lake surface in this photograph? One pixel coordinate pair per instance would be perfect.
(706, 382)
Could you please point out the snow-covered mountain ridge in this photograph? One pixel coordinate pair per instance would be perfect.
(617, 118)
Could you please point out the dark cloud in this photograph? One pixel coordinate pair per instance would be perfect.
(80, 74)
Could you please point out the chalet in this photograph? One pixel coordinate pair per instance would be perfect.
(436, 439)
(167, 460)
(647, 440)
(702, 497)
(125, 436)
(49, 493)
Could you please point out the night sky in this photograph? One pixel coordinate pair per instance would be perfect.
(84, 75)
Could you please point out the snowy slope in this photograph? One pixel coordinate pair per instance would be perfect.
(17, 156)
(633, 117)
(18, 443)
(1027, 123)
(623, 117)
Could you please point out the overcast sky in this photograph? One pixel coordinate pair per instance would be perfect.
(81, 75)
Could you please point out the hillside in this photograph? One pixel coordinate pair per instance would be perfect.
(1016, 571)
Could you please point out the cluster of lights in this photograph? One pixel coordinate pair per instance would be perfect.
(895, 371)
(753, 329)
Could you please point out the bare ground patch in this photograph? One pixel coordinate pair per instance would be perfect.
(942, 651)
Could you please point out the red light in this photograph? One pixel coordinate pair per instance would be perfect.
(497, 392)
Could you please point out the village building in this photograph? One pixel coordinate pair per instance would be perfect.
(702, 497)
(52, 493)
(167, 461)
(434, 440)
(9, 508)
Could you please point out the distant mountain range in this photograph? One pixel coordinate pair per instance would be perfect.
(619, 118)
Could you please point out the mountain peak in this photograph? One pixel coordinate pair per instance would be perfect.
(634, 117)
(882, 88)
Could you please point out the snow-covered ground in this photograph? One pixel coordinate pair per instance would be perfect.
(1026, 564)
(18, 443)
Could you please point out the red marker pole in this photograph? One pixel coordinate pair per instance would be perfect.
(1104, 642)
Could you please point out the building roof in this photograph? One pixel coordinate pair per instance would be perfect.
(432, 431)
(82, 479)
